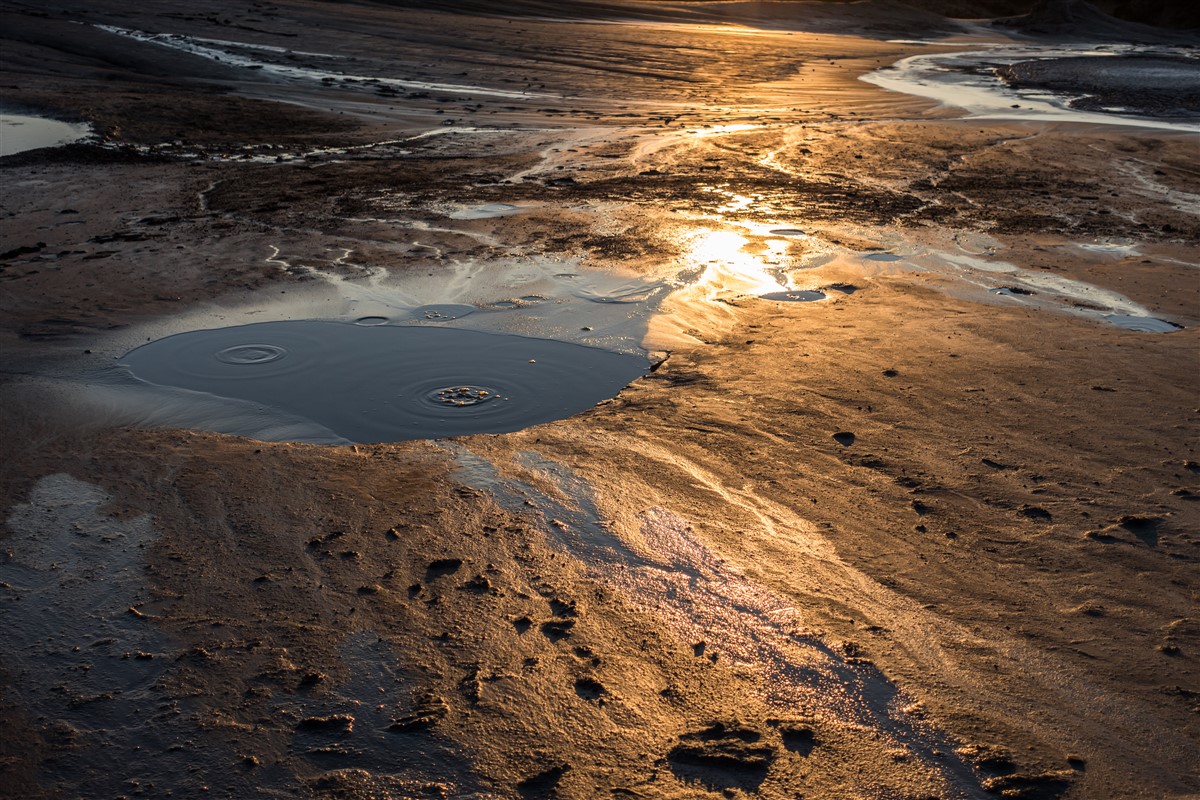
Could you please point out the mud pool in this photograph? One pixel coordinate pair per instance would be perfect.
(798, 296)
(19, 132)
(377, 382)
(1006, 82)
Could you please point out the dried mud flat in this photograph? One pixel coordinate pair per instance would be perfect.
(933, 534)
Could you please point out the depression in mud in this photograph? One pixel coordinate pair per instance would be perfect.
(372, 382)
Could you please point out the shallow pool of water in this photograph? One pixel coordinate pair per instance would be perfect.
(19, 132)
(1143, 324)
(380, 382)
(795, 296)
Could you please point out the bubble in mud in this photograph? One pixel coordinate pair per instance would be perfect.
(788, 232)
(250, 354)
(883, 257)
(443, 312)
(462, 396)
(369, 321)
(797, 296)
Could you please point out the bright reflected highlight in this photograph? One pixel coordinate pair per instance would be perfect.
(728, 268)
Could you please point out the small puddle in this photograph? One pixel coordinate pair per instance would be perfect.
(489, 211)
(798, 296)
(19, 133)
(373, 382)
(1110, 248)
(1143, 324)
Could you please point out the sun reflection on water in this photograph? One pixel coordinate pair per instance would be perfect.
(729, 268)
(721, 130)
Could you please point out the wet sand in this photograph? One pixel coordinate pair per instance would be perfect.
(932, 534)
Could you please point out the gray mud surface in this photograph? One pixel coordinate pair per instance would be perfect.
(1151, 85)
(384, 383)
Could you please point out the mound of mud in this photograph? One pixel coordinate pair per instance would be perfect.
(1079, 20)
(1159, 86)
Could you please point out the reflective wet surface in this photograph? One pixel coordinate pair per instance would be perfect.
(703, 600)
(901, 348)
(19, 132)
(795, 296)
(371, 382)
(973, 81)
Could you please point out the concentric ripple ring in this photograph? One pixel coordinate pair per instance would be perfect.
(250, 354)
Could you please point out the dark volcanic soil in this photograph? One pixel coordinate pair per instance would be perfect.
(1155, 86)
